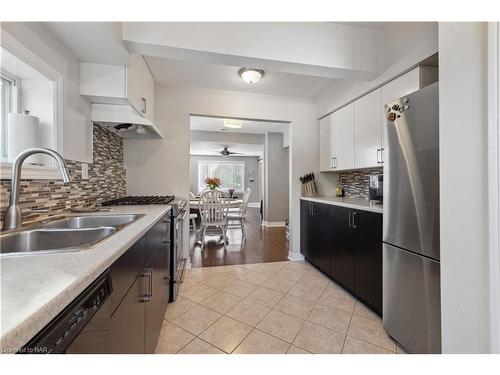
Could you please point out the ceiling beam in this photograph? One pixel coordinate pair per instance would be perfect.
(315, 49)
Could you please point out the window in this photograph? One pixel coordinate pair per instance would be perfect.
(230, 173)
(6, 88)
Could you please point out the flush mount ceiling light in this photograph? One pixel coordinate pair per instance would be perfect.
(233, 123)
(250, 76)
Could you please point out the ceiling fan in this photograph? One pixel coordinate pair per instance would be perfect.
(226, 152)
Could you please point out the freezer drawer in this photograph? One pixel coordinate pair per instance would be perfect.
(411, 300)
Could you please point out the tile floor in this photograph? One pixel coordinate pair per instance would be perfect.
(269, 308)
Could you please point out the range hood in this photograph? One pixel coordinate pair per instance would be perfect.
(123, 120)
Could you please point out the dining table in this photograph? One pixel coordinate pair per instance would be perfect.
(194, 204)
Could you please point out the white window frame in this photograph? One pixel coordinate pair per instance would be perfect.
(22, 52)
(242, 163)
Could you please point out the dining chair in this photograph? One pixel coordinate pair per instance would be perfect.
(213, 212)
(240, 216)
(191, 195)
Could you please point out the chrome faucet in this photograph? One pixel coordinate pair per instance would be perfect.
(12, 217)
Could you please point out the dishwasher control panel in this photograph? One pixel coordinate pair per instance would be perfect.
(59, 333)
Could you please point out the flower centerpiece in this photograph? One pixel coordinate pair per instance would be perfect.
(212, 182)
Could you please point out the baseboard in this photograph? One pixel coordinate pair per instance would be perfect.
(254, 204)
(294, 256)
(271, 224)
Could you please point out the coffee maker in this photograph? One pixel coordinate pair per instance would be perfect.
(377, 188)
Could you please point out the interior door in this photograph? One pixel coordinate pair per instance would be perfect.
(368, 130)
(368, 258)
(342, 248)
(159, 267)
(342, 138)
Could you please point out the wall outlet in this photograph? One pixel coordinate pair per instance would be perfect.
(85, 171)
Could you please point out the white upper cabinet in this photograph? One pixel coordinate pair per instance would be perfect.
(112, 84)
(368, 130)
(353, 137)
(140, 86)
(325, 158)
(342, 138)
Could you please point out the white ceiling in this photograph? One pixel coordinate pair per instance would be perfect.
(254, 127)
(225, 77)
(214, 148)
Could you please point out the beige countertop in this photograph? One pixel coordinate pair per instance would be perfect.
(35, 288)
(357, 203)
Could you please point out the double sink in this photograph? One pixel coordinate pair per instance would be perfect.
(70, 233)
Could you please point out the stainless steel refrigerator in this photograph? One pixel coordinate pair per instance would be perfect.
(411, 272)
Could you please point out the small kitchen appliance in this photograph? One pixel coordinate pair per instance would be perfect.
(376, 191)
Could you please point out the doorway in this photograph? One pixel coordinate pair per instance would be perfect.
(246, 156)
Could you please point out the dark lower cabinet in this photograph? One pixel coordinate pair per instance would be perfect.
(128, 323)
(341, 250)
(315, 234)
(346, 245)
(158, 269)
(368, 259)
(306, 229)
(322, 233)
(126, 269)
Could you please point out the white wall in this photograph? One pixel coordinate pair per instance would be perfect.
(463, 184)
(276, 181)
(162, 166)
(77, 126)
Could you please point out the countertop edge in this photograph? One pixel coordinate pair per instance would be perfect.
(23, 332)
(328, 200)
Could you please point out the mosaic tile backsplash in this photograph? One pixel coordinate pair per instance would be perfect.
(356, 184)
(106, 181)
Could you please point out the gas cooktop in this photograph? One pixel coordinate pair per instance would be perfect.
(138, 200)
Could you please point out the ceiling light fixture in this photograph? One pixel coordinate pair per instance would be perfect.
(233, 123)
(250, 76)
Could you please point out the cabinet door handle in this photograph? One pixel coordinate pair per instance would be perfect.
(148, 272)
(144, 108)
(349, 218)
(354, 225)
(382, 155)
(334, 162)
(378, 159)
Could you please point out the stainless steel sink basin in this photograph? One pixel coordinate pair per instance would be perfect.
(42, 241)
(93, 221)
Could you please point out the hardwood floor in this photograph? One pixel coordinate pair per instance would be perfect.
(262, 245)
